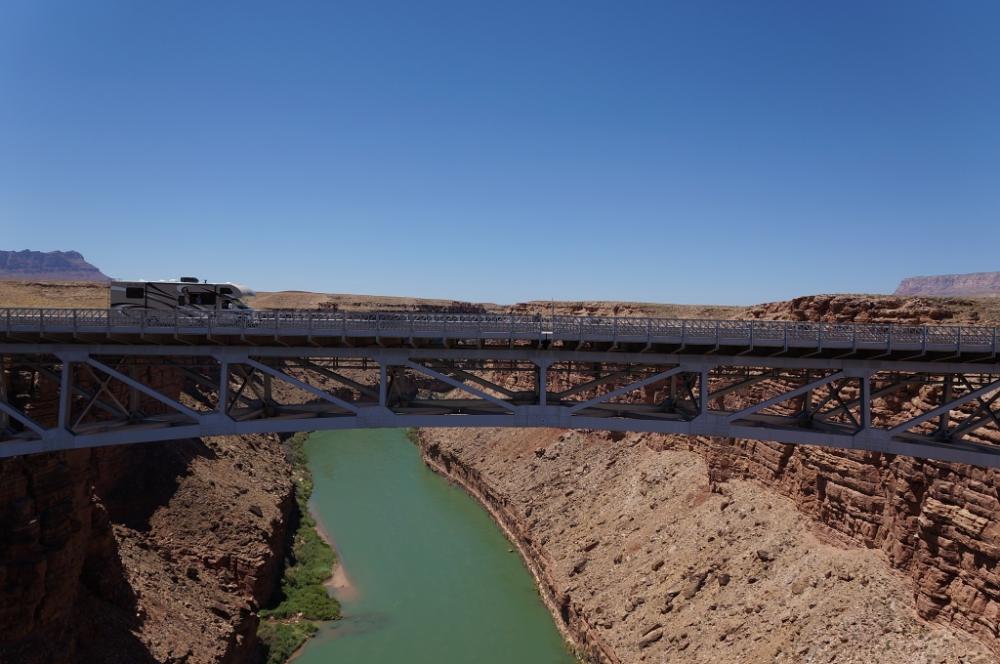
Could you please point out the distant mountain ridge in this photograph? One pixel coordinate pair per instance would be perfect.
(977, 283)
(51, 265)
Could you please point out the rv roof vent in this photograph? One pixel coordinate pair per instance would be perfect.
(189, 280)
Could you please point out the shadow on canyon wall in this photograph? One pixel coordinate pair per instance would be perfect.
(65, 594)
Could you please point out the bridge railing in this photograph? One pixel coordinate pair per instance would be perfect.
(514, 326)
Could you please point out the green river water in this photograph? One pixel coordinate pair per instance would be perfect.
(433, 579)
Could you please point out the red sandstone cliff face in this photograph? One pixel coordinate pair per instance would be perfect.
(937, 522)
(49, 530)
(881, 309)
(151, 553)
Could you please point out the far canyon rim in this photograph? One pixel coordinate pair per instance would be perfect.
(646, 547)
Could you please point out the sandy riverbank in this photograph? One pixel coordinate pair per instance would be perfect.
(339, 583)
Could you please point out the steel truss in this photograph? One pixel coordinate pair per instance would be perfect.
(67, 396)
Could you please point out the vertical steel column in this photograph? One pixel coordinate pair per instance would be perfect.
(946, 395)
(133, 401)
(4, 417)
(223, 406)
(65, 394)
(541, 382)
(383, 384)
(703, 401)
(807, 398)
(866, 402)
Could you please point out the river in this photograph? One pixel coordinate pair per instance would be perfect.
(432, 578)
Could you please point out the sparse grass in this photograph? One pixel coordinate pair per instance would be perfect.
(303, 598)
(413, 435)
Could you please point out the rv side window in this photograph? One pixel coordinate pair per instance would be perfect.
(202, 298)
(226, 290)
(135, 293)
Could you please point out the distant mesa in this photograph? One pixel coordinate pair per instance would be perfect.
(47, 265)
(977, 283)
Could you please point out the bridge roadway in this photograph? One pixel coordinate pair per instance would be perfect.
(85, 378)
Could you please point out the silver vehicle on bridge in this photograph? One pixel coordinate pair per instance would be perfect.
(185, 297)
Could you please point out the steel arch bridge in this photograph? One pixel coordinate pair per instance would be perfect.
(87, 378)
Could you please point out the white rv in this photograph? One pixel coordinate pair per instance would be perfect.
(187, 295)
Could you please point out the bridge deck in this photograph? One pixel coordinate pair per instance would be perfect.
(84, 378)
(323, 329)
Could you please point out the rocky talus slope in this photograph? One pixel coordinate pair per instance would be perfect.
(644, 558)
(151, 553)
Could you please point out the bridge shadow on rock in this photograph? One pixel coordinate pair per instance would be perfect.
(133, 482)
(109, 616)
(139, 479)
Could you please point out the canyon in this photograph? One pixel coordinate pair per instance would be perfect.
(646, 547)
(662, 548)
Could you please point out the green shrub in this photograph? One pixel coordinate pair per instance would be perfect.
(281, 640)
(303, 598)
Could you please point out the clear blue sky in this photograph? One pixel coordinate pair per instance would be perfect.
(688, 152)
